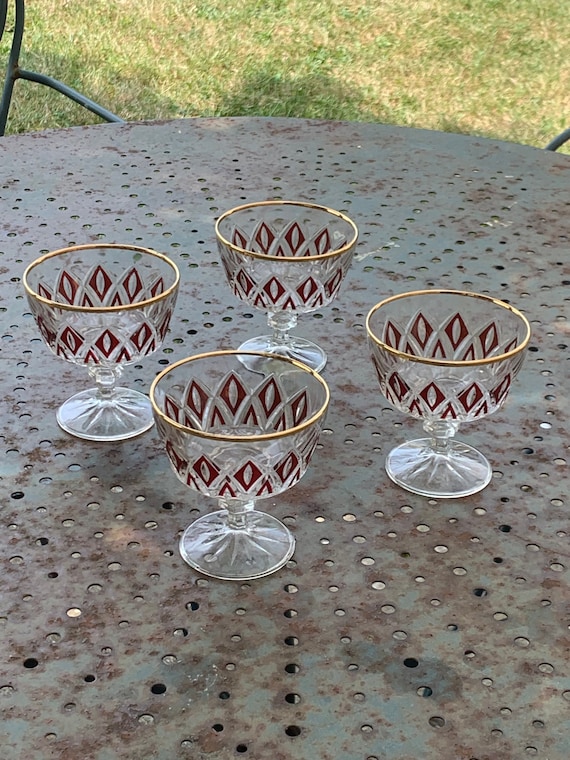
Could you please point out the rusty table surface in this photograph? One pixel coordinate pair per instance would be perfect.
(403, 627)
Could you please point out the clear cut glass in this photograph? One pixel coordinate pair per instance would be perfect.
(286, 258)
(240, 428)
(103, 306)
(445, 357)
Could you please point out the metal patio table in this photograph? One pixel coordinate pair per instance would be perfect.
(403, 627)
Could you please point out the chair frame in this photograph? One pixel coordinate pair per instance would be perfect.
(14, 72)
(558, 140)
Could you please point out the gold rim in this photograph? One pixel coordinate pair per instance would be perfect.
(239, 438)
(92, 309)
(449, 362)
(271, 257)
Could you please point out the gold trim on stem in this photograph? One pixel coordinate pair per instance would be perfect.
(100, 309)
(239, 438)
(449, 362)
(271, 257)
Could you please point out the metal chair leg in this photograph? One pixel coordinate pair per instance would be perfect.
(558, 140)
(13, 72)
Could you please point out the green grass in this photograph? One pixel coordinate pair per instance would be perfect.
(497, 68)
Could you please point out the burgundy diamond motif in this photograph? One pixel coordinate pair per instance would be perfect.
(392, 336)
(307, 289)
(141, 336)
(295, 238)
(322, 243)
(470, 397)
(107, 343)
(48, 334)
(489, 339)
(227, 490)
(448, 411)
(124, 355)
(100, 282)
(233, 393)
(206, 470)
(248, 475)
(67, 287)
(244, 282)
(132, 284)
(238, 238)
(269, 396)
(44, 292)
(287, 466)
(250, 417)
(333, 283)
(399, 388)
(421, 330)
(171, 409)
(217, 418)
(273, 289)
(300, 408)
(469, 354)
(116, 300)
(157, 287)
(92, 357)
(163, 325)
(439, 351)
(86, 300)
(432, 396)
(264, 237)
(266, 488)
(456, 330)
(499, 393)
(71, 340)
(178, 462)
(195, 399)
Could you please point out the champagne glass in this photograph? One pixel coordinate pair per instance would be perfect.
(445, 357)
(103, 306)
(238, 427)
(286, 258)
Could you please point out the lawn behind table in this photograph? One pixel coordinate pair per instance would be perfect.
(497, 68)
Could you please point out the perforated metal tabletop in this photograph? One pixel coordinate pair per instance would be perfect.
(403, 628)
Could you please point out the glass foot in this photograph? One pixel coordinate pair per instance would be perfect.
(417, 468)
(304, 351)
(212, 547)
(88, 415)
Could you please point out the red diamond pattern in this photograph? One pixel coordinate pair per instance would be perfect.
(269, 396)
(273, 289)
(206, 470)
(71, 340)
(432, 396)
(456, 330)
(307, 290)
(332, 285)
(67, 287)
(100, 283)
(132, 285)
(248, 475)
(195, 399)
(287, 467)
(295, 238)
(470, 397)
(106, 343)
(141, 336)
(421, 330)
(233, 393)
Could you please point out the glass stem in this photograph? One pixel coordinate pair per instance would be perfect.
(441, 432)
(238, 512)
(281, 323)
(105, 380)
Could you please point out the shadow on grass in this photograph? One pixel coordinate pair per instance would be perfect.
(312, 96)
